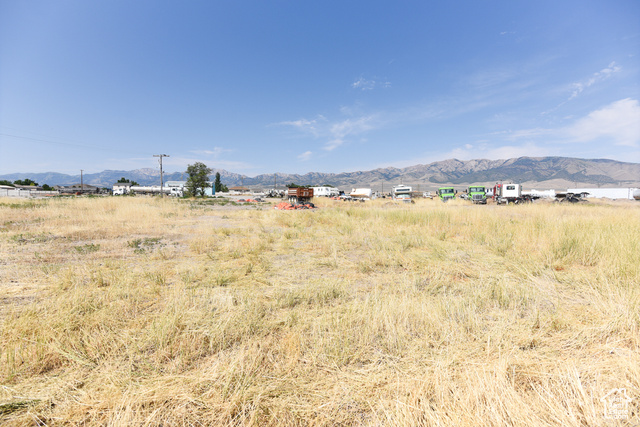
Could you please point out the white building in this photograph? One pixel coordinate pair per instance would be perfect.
(325, 191)
(609, 193)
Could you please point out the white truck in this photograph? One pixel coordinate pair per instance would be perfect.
(511, 193)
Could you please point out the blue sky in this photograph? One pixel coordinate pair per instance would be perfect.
(289, 86)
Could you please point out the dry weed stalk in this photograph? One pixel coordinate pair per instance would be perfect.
(168, 312)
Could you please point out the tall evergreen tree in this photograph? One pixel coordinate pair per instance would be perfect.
(218, 183)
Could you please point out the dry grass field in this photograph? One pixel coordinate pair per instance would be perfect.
(147, 311)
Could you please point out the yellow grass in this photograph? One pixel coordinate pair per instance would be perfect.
(139, 311)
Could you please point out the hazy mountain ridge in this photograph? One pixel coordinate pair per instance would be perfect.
(559, 171)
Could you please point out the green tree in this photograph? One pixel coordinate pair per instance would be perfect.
(198, 177)
(25, 181)
(47, 187)
(217, 183)
(219, 186)
(5, 182)
(125, 180)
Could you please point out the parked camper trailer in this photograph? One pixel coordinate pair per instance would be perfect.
(325, 191)
(361, 193)
(402, 192)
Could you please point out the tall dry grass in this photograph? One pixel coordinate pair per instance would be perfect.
(136, 311)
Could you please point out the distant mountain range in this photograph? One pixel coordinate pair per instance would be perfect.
(533, 172)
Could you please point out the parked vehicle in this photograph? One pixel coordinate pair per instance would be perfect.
(446, 193)
(402, 193)
(510, 193)
(300, 194)
(361, 193)
(325, 191)
(477, 194)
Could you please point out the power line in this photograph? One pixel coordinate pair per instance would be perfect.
(72, 144)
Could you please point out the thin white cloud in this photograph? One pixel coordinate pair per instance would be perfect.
(333, 144)
(511, 151)
(528, 134)
(313, 127)
(181, 163)
(352, 126)
(214, 153)
(618, 122)
(363, 84)
(305, 156)
(335, 133)
(605, 73)
(369, 84)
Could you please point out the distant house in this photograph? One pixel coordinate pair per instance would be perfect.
(28, 187)
(77, 189)
(239, 190)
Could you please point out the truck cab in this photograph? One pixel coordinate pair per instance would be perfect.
(509, 193)
(477, 194)
(446, 193)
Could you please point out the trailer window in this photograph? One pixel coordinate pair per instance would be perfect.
(511, 187)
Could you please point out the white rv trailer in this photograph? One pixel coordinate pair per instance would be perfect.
(402, 192)
(325, 191)
(361, 193)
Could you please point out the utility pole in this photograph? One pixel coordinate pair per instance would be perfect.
(160, 156)
(81, 181)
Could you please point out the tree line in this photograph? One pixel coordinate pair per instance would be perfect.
(25, 182)
(196, 185)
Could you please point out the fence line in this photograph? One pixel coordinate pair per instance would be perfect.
(5, 192)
